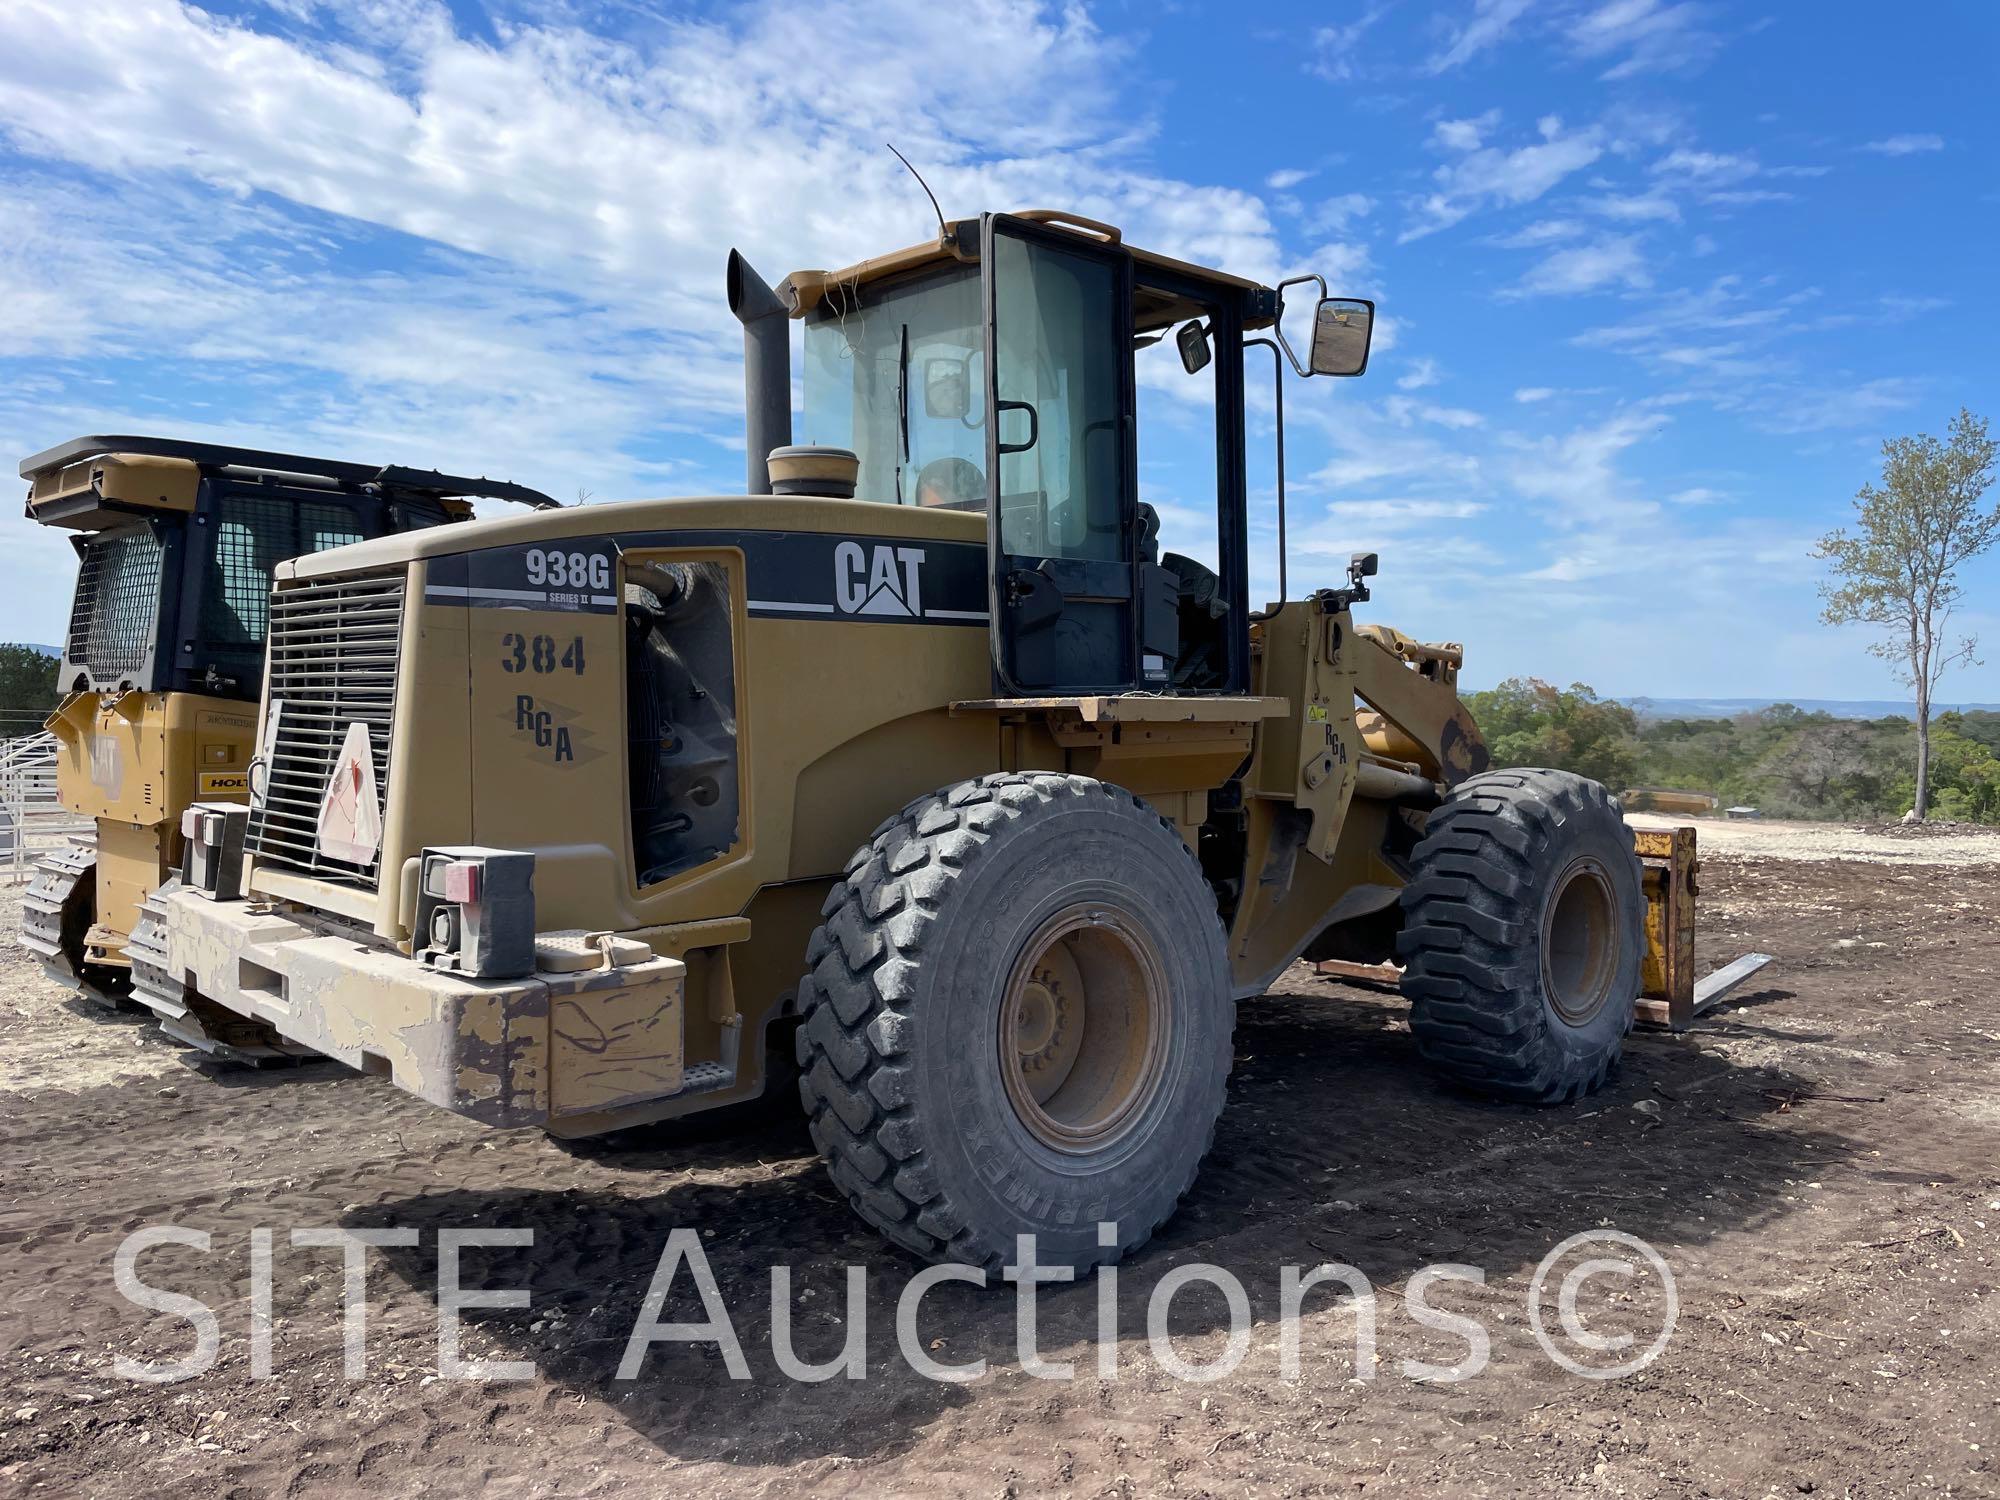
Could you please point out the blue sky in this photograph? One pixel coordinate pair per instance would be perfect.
(1657, 276)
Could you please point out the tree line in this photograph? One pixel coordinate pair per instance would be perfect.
(1781, 760)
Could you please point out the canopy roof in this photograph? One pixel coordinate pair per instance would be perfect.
(959, 243)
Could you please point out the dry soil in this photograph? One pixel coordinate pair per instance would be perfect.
(1816, 1164)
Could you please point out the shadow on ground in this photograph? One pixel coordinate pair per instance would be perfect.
(1337, 1146)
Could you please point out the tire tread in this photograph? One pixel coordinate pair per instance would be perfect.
(860, 1021)
(1470, 935)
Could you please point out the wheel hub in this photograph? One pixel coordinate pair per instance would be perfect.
(1083, 1028)
(1580, 942)
(1042, 1030)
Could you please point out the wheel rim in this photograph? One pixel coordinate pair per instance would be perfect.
(1082, 1039)
(1580, 942)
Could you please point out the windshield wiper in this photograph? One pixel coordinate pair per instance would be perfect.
(902, 404)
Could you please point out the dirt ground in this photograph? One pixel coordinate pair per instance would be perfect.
(1818, 1164)
(1877, 844)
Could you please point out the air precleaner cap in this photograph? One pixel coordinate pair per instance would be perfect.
(808, 469)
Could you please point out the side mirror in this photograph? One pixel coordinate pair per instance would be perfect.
(1193, 343)
(1342, 330)
(947, 390)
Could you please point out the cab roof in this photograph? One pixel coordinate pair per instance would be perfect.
(84, 450)
(958, 242)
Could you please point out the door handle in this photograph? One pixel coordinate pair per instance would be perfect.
(1034, 426)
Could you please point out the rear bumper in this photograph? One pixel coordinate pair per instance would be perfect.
(503, 1052)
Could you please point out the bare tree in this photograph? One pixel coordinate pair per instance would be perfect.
(1898, 566)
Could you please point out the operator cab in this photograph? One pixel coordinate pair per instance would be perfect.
(994, 371)
(178, 540)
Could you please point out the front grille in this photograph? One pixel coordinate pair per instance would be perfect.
(114, 620)
(333, 662)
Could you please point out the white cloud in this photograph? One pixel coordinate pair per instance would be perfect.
(1541, 232)
(1724, 304)
(1653, 36)
(1422, 372)
(1744, 197)
(1697, 495)
(1898, 305)
(1635, 208)
(1488, 24)
(1333, 215)
(635, 164)
(1287, 177)
(1577, 472)
(1372, 445)
(1490, 176)
(1465, 135)
(1405, 412)
(1905, 145)
(1864, 404)
(1706, 166)
(1334, 46)
(1528, 394)
(1399, 514)
(1343, 262)
(1612, 260)
(503, 252)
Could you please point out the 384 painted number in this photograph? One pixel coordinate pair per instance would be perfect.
(520, 653)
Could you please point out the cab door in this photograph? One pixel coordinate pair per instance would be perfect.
(1061, 465)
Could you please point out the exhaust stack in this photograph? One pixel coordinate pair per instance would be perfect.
(767, 369)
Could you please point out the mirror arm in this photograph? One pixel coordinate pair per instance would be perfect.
(1278, 387)
(1278, 319)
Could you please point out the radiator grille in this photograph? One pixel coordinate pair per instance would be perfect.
(114, 620)
(333, 663)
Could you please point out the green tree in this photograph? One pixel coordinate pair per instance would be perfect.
(27, 689)
(1898, 567)
(1528, 722)
(1821, 766)
(1965, 772)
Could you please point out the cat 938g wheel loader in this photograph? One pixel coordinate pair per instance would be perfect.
(922, 764)
(177, 542)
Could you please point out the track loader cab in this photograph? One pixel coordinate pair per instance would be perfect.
(163, 658)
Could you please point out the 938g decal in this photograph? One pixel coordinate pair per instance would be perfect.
(581, 572)
(574, 578)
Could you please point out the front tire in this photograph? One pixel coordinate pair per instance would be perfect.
(1523, 934)
(1018, 1020)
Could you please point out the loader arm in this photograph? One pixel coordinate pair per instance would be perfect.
(1414, 688)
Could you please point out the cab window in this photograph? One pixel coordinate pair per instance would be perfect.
(1060, 394)
(897, 373)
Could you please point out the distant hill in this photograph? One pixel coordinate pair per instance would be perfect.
(1839, 708)
(55, 651)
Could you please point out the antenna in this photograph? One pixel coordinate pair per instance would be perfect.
(943, 233)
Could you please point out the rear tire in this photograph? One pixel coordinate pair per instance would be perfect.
(1018, 1020)
(1523, 934)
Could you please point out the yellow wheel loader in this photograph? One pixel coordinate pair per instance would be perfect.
(164, 654)
(931, 767)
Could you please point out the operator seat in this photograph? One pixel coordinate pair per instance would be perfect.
(1199, 610)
